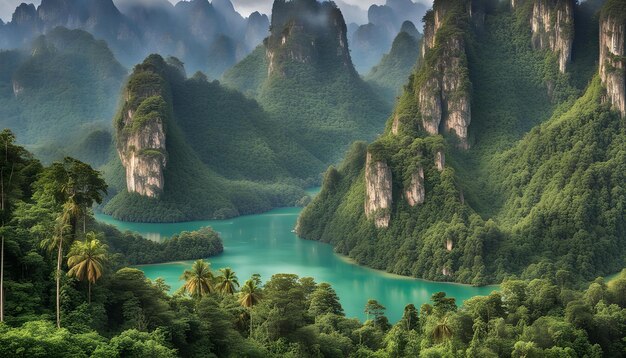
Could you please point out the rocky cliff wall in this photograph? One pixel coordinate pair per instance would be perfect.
(306, 31)
(443, 94)
(416, 193)
(378, 184)
(141, 137)
(613, 60)
(552, 26)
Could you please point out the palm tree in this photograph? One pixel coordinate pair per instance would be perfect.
(61, 228)
(86, 260)
(198, 280)
(442, 331)
(227, 282)
(250, 297)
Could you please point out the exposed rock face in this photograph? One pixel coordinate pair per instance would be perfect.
(444, 96)
(395, 126)
(142, 156)
(429, 99)
(440, 160)
(301, 31)
(416, 193)
(552, 26)
(141, 134)
(378, 198)
(613, 61)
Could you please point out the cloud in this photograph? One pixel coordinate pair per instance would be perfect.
(353, 10)
(7, 7)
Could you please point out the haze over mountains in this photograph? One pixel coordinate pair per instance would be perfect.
(206, 36)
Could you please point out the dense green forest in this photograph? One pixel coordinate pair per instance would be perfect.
(540, 190)
(310, 87)
(224, 156)
(59, 95)
(390, 75)
(103, 309)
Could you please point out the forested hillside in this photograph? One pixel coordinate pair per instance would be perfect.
(391, 74)
(191, 149)
(304, 78)
(528, 182)
(59, 95)
(67, 291)
(207, 36)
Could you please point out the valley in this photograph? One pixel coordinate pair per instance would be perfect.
(311, 178)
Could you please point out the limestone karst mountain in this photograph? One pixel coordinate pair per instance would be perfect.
(503, 155)
(191, 149)
(304, 77)
(391, 74)
(58, 95)
(371, 40)
(207, 36)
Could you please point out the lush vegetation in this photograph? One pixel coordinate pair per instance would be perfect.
(134, 249)
(310, 88)
(540, 191)
(224, 156)
(391, 74)
(59, 95)
(104, 309)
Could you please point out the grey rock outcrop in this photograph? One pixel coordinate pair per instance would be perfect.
(612, 61)
(378, 183)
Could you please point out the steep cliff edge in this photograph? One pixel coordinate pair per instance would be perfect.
(540, 190)
(190, 149)
(141, 134)
(378, 186)
(552, 27)
(442, 86)
(304, 77)
(307, 32)
(612, 54)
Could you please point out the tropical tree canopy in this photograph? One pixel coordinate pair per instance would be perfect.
(198, 280)
(86, 258)
(227, 282)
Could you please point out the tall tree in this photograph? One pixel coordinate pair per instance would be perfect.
(325, 300)
(250, 297)
(73, 186)
(443, 331)
(86, 260)
(198, 280)
(410, 317)
(75, 182)
(14, 162)
(227, 282)
(56, 241)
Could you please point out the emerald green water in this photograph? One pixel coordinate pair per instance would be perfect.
(264, 244)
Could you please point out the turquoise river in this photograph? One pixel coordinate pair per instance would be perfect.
(265, 244)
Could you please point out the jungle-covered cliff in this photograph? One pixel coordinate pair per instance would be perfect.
(304, 78)
(190, 149)
(504, 155)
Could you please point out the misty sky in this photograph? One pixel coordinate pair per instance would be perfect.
(354, 10)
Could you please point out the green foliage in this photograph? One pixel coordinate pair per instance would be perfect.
(67, 85)
(224, 155)
(310, 88)
(137, 250)
(539, 192)
(289, 316)
(396, 66)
